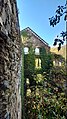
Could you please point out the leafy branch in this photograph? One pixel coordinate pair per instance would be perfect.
(54, 20)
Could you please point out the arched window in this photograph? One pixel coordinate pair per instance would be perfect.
(37, 63)
(36, 51)
(26, 50)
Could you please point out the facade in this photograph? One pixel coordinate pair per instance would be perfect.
(10, 61)
(31, 39)
(34, 39)
(58, 60)
(43, 82)
(33, 66)
(61, 52)
(59, 57)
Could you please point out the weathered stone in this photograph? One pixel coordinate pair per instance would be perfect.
(10, 61)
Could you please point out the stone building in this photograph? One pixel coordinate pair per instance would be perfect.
(33, 65)
(30, 38)
(59, 57)
(10, 61)
(37, 80)
(34, 39)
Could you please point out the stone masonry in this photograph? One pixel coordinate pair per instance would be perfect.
(10, 61)
(34, 39)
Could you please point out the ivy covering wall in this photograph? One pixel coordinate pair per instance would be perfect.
(44, 89)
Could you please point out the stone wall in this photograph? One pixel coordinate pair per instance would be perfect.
(10, 61)
(33, 39)
(38, 43)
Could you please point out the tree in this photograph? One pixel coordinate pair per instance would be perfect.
(55, 20)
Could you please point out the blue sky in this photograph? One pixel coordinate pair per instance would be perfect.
(35, 14)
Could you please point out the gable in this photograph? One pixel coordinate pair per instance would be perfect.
(35, 39)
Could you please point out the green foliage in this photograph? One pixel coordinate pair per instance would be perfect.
(46, 101)
(29, 63)
(45, 97)
(43, 56)
(47, 61)
(24, 34)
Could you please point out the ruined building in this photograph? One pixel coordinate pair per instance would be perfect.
(10, 60)
(33, 47)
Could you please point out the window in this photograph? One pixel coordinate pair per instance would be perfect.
(59, 63)
(37, 51)
(26, 50)
(56, 63)
(27, 81)
(38, 63)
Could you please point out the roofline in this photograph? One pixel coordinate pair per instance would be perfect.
(36, 35)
